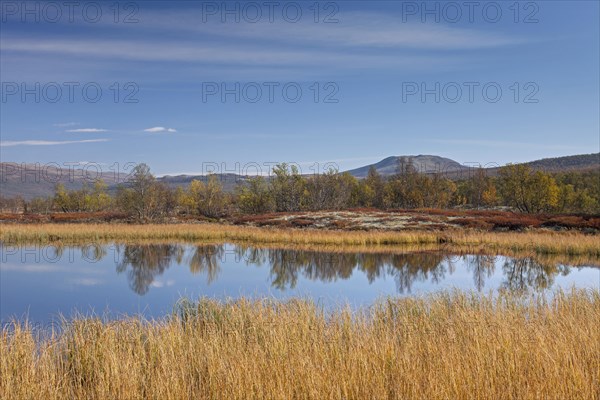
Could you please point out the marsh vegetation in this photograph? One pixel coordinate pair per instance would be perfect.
(509, 243)
(448, 345)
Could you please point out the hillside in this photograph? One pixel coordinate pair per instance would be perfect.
(37, 180)
(577, 163)
(454, 170)
(229, 181)
(568, 163)
(423, 163)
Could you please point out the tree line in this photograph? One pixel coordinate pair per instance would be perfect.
(517, 187)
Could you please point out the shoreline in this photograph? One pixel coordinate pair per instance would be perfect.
(535, 242)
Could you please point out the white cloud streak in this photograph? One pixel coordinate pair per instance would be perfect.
(353, 30)
(230, 54)
(87, 130)
(9, 143)
(159, 129)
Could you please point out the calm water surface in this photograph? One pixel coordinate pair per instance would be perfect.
(43, 282)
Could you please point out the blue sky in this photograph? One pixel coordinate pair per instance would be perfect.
(364, 65)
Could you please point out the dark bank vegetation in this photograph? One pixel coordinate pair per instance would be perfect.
(517, 188)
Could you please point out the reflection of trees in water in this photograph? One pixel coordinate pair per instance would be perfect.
(144, 263)
(482, 266)
(408, 268)
(252, 255)
(91, 252)
(206, 259)
(287, 265)
(523, 274)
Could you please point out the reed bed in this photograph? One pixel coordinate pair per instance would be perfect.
(452, 345)
(534, 242)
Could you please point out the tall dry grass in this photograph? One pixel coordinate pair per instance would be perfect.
(445, 346)
(569, 243)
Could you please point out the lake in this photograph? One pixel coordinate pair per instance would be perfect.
(115, 280)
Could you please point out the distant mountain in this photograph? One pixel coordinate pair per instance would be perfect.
(229, 181)
(569, 163)
(454, 170)
(578, 163)
(422, 163)
(39, 180)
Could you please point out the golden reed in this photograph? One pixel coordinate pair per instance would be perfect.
(446, 346)
(534, 242)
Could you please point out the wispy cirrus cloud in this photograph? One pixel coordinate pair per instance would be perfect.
(364, 29)
(234, 54)
(159, 129)
(357, 42)
(10, 143)
(353, 29)
(87, 130)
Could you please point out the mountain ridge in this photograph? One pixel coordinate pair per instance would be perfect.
(423, 163)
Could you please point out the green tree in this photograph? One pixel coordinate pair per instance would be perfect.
(143, 197)
(528, 191)
(99, 199)
(207, 199)
(407, 188)
(371, 190)
(439, 192)
(287, 187)
(347, 191)
(254, 197)
(330, 191)
(41, 205)
(62, 200)
(479, 190)
(579, 191)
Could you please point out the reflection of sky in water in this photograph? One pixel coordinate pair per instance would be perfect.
(150, 279)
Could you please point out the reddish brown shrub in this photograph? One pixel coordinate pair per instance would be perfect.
(301, 222)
